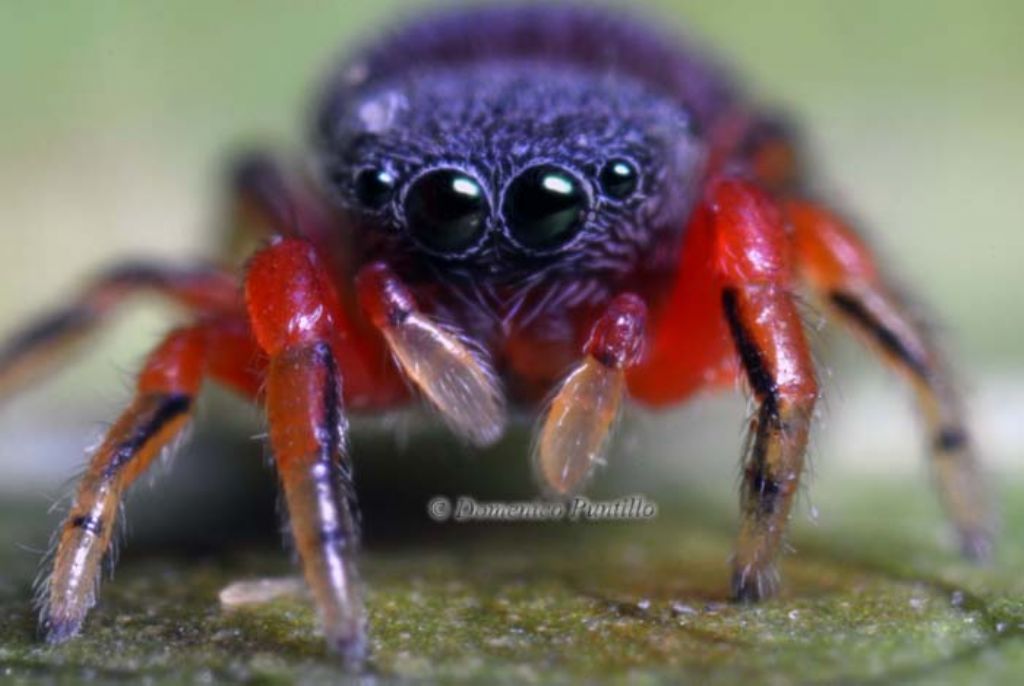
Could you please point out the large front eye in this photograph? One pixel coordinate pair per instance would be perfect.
(446, 210)
(545, 206)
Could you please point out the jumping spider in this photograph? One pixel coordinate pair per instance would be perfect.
(508, 201)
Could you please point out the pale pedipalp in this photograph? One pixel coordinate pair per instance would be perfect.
(574, 436)
(453, 377)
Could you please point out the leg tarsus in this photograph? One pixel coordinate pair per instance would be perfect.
(751, 584)
(157, 415)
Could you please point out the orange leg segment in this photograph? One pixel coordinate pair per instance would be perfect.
(163, 404)
(49, 340)
(751, 256)
(299, 323)
(308, 434)
(838, 266)
(732, 313)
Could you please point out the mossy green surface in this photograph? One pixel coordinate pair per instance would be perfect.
(873, 598)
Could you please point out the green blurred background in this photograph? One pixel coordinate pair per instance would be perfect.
(115, 120)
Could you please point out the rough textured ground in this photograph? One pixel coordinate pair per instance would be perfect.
(874, 597)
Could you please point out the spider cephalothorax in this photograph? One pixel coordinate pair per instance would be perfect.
(501, 170)
(514, 203)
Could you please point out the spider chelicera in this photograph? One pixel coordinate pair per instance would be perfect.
(508, 204)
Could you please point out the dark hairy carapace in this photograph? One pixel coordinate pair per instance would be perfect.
(507, 100)
(507, 204)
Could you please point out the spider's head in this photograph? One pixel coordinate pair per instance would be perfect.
(499, 170)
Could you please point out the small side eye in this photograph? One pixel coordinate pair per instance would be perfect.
(375, 187)
(446, 210)
(619, 178)
(545, 206)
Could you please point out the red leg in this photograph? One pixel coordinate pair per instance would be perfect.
(733, 309)
(836, 263)
(316, 362)
(578, 421)
(262, 201)
(839, 267)
(751, 256)
(50, 339)
(167, 386)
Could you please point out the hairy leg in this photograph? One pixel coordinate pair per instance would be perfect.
(732, 314)
(841, 269)
(835, 262)
(163, 404)
(751, 258)
(52, 338)
(262, 201)
(299, 323)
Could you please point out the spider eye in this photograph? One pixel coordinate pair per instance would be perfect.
(545, 206)
(374, 187)
(619, 178)
(446, 210)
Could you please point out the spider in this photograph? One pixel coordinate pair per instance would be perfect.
(551, 209)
